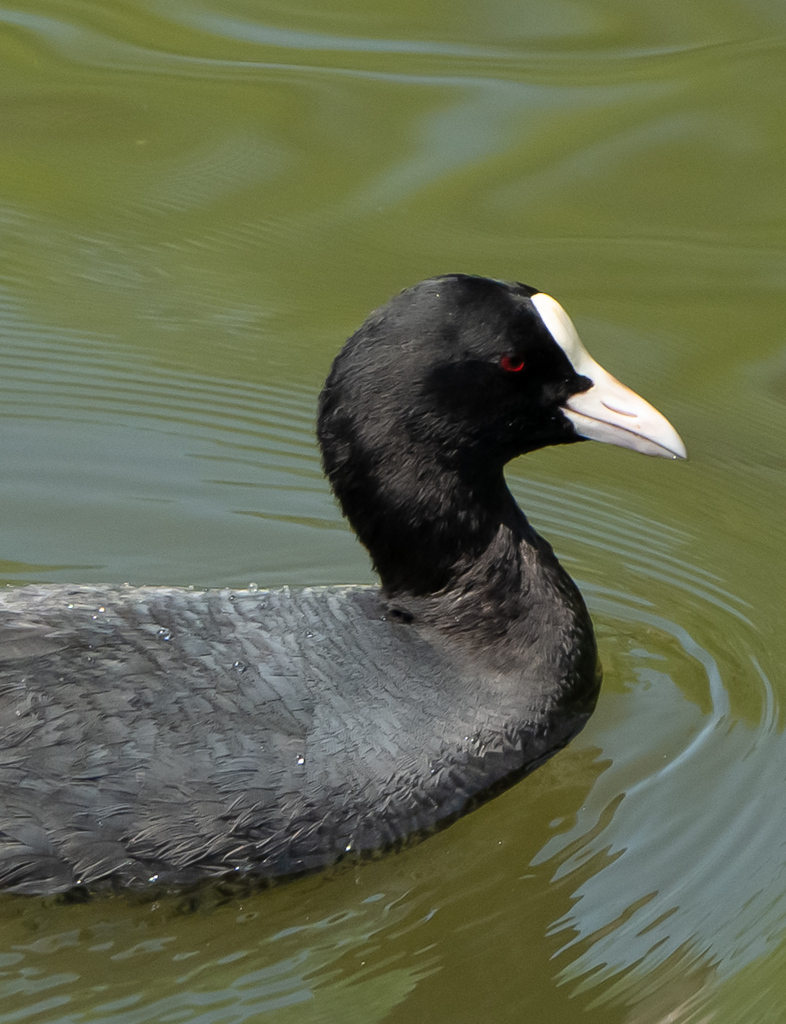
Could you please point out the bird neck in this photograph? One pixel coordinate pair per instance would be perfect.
(432, 527)
(456, 554)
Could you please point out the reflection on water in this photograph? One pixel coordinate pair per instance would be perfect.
(279, 972)
(199, 201)
(694, 867)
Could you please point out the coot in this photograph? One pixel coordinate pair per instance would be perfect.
(164, 735)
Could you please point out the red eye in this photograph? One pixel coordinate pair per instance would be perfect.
(511, 365)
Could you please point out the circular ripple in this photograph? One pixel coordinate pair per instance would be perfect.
(679, 850)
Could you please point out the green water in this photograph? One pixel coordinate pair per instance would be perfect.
(199, 199)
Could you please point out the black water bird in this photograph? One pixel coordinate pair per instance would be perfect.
(164, 735)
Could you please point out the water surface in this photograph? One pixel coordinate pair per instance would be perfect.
(198, 202)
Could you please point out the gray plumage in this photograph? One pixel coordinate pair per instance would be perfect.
(163, 734)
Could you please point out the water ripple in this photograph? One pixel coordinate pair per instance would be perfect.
(63, 375)
(210, 44)
(677, 851)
